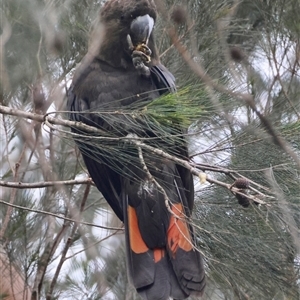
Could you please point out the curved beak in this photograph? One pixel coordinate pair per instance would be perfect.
(141, 28)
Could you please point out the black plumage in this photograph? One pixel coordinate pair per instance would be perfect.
(120, 72)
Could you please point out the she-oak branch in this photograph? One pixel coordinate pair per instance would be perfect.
(133, 140)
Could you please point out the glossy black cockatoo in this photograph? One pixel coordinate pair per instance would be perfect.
(152, 195)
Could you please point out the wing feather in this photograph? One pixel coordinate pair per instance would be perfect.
(163, 78)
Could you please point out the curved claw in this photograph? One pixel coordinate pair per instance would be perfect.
(140, 66)
(139, 54)
(129, 41)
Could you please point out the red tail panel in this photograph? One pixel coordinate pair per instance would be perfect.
(137, 244)
(178, 231)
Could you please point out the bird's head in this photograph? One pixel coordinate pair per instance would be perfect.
(124, 25)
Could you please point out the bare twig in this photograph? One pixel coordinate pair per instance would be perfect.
(43, 184)
(12, 195)
(278, 75)
(188, 166)
(94, 244)
(41, 118)
(4, 37)
(180, 38)
(58, 216)
(285, 209)
(68, 244)
(154, 181)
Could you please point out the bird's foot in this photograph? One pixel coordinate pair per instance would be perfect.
(139, 59)
(140, 56)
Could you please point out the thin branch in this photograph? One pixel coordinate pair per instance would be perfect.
(287, 214)
(180, 38)
(92, 245)
(43, 184)
(278, 75)
(12, 195)
(41, 118)
(68, 244)
(4, 37)
(58, 216)
(153, 180)
(188, 166)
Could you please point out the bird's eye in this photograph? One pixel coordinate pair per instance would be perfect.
(122, 17)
